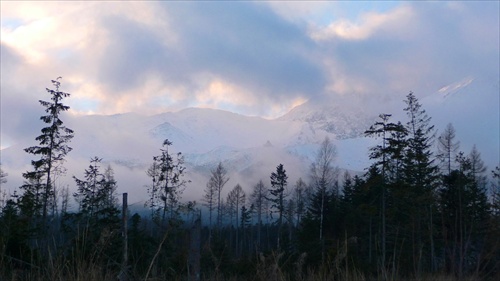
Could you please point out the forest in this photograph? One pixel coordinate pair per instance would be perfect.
(423, 210)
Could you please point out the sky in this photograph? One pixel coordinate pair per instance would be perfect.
(253, 58)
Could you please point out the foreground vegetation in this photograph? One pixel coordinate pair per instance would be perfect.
(422, 211)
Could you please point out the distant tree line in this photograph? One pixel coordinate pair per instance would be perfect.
(422, 209)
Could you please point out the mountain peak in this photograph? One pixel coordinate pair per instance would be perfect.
(325, 115)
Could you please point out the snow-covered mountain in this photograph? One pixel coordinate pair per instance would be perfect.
(334, 119)
(251, 147)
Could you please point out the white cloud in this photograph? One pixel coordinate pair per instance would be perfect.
(366, 26)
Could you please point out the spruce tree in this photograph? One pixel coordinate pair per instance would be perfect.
(278, 184)
(420, 180)
(385, 171)
(495, 192)
(168, 184)
(52, 148)
(465, 212)
(96, 194)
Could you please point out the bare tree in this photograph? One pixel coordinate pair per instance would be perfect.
(299, 196)
(209, 199)
(324, 174)
(236, 199)
(219, 178)
(3, 176)
(447, 148)
(3, 192)
(258, 199)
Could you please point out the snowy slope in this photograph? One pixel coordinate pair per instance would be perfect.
(252, 147)
(343, 122)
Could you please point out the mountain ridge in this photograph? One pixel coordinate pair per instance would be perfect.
(208, 136)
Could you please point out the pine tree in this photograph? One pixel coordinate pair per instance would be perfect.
(52, 150)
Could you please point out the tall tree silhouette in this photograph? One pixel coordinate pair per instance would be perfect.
(168, 182)
(258, 200)
(52, 148)
(384, 154)
(421, 179)
(278, 184)
(447, 148)
(218, 179)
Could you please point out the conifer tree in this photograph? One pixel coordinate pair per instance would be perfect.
(420, 178)
(96, 194)
(465, 212)
(278, 183)
(495, 191)
(168, 184)
(52, 148)
(347, 187)
(387, 158)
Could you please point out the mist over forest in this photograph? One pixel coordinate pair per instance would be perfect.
(422, 208)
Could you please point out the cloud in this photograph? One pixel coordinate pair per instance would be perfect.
(368, 25)
(119, 57)
(416, 47)
(252, 58)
